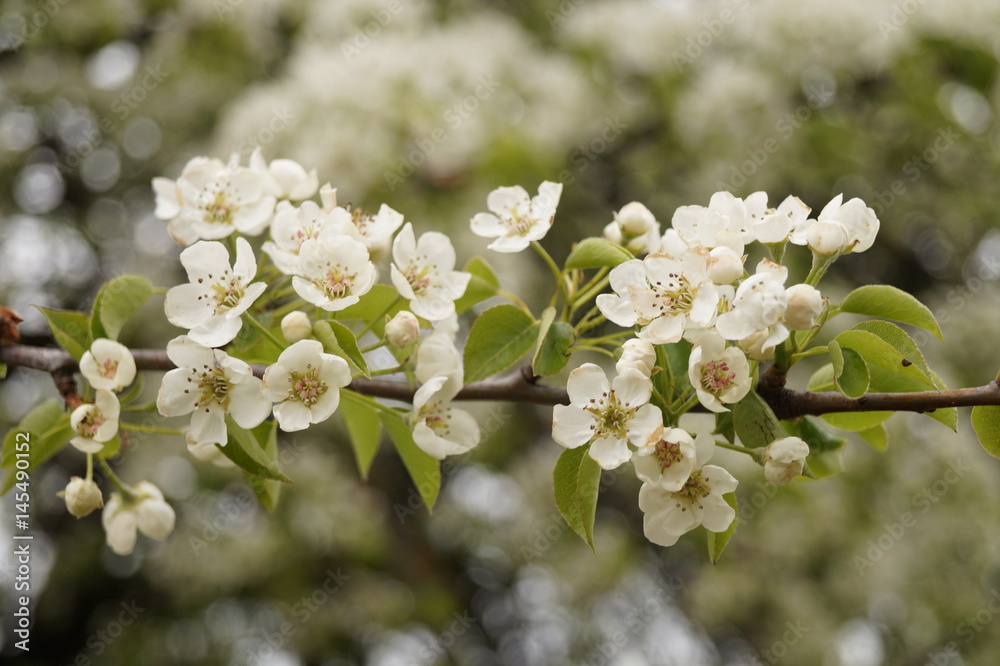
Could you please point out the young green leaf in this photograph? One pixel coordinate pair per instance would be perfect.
(850, 370)
(597, 253)
(889, 370)
(554, 341)
(483, 284)
(755, 423)
(883, 301)
(116, 303)
(363, 427)
(70, 328)
(857, 421)
(40, 434)
(338, 339)
(497, 340)
(986, 423)
(246, 448)
(877, 437)
(825, 448)
(717, 540)
(381, 301)
(575, 482)
(425, 471)
(268, 491)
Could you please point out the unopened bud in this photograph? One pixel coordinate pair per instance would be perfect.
(827, 238)
(82, 497)
(635, 219)
(402, 330)
(756, 347)
(725, 265)
(785, 460)
(805, 304)
(296, 326)
(639, 355)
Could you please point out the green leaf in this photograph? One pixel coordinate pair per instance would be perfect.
(3, 371)
(380, 301)
(986, 423)
(116, 303)
(70, 328)
(822, 379)
(246, 448)
(497, 340)
(857, 421)
(554, 341)
(755, 423)
(340, 340)
(717, 540)
(575, 482)
(424, 470)
(597, 253)
(363, 427)
(877, 437)
(483, 284)
(268, 491)
(48, 430)
(825, 448)
(885, 302)
(850, 370)
(678, 355)
(890, 371)
(724, 426)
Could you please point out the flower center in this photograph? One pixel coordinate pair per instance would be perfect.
(214, 387)
(516, 224)
(218, 209)
(419, 277)
(108, 368)
(228, 293)
(90, 423)
(336, 282)
(667, 453)
(612, 416)
(306, 387)
(716, 376)
(695, 489)
(361, 220)
(674, 294)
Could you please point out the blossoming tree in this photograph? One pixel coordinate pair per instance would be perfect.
(287, 332)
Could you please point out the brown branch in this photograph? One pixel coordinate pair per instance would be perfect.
(521, 387)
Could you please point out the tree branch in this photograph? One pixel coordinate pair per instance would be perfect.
(521, 387)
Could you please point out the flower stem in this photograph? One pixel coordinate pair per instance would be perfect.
(740, 449)
(153, 430)
(373, 347)
(517, 301)
(379, 316)
(263, 330)
(820, 264)
(550, 262)
(90, 467)
(128, 494)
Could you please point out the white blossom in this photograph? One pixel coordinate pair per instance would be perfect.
(756, 345)
(146, 512)
(334, 272)
(306, 383)
(402, 330)
(635, 228)
(211, 304)
(423, 272)
(211, 384)
(839, 227)
(785, 460)
(662, 294)
(211, 200)
(725, 265)
(293, 226)
(516, 219)
(760, 303)
(669, 461)
(638, 355)
(670, 514)
(718, 373)
(95, 423)
(720, 224)
(440, 429)
(805, 304)
(108, 365)
(376, 231)
(607, 416)
(285, 179)
(773, 225)
(296, 326)
(82, 497)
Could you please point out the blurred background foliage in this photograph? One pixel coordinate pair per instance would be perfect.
(428, 105)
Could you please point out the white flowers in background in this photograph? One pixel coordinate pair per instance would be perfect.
(635, 228)
(95, 424)
(146, 512)
(663, 295)
(668, 462)
(638, 355)
(423, 272)
(785, 460)
(211, 200)
(607, 416)
(211, 384)
(718, 373)
(210, 305)
(759, 304)
(334, 272)
(402, 330)
(285, 179)
(296, 326)
(805, 304)
(108, 365)
(839, 227)
(670, 514)
(82, 497)
(306, 383)
(773, 225)
(516, 219)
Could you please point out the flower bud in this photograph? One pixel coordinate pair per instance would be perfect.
(613, 233)
(635, 219)
(755, 345)
(827, 238)
(155, 518)
(637, 354)
(402, 330)
(785, 460)
(805, 304)
(725, 265)
(82, 497)
(296, 326)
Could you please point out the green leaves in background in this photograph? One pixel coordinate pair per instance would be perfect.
(338, 339)
(497, 340)
(883, 301)
(48, 430)
(755, 423)
(597, 253)
(116, 303)
(70, 328)
(554, 341)
(423, 468)
(576, 480)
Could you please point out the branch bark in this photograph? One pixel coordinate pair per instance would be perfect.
(521, 387)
